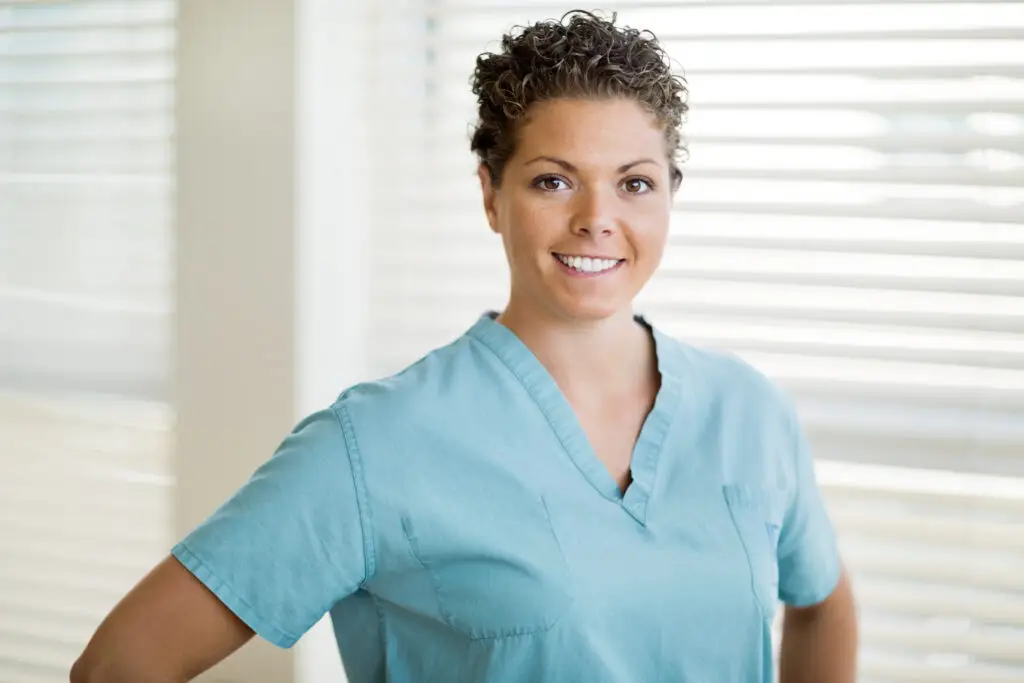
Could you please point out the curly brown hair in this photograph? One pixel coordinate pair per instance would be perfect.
(579, 56)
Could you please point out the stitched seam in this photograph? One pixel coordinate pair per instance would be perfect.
(410, 535)
(792, 427)
(733, 514)
(450, 618)
(220, 584)
(668, 421)
(362, 495)
(531, 391)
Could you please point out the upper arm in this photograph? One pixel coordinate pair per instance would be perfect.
(168, 628)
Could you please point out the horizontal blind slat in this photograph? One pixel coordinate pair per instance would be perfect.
(19, 16)
(86, 175)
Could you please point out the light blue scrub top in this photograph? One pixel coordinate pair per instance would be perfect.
(457, 525)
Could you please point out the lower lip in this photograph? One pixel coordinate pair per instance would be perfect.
(576, 273)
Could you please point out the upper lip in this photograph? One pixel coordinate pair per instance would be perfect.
(590, 256)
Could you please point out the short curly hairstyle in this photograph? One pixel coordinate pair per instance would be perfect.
(579, 56)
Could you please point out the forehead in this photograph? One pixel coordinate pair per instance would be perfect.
(601, 132)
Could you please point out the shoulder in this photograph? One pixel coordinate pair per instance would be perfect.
(731, 382)
(745, 416)
(436, 383)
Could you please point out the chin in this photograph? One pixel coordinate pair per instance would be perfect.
(590, 310)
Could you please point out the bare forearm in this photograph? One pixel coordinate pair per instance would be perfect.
(168, 629)
(819, 644)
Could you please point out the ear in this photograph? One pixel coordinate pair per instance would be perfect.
(489, 193)
(677, 177)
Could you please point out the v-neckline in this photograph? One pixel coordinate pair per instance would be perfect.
(568, 428)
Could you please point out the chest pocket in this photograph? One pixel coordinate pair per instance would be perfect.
(494, 561)
(757, 515)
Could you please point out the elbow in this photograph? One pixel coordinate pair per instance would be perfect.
(81, 672)
(90, 669)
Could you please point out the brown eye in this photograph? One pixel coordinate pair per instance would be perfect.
(637, 186)
(550, 183)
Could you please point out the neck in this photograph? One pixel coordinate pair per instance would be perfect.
(590, 358)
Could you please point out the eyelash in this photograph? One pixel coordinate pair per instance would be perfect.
(646, 181)
(538, 183)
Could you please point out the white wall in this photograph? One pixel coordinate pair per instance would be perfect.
(270, 237)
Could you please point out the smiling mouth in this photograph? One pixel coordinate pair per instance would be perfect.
(588, 265)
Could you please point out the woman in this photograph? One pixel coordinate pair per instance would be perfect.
(561, 494)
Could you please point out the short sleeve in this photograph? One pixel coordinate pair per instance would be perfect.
(290, 543)
(809, 564)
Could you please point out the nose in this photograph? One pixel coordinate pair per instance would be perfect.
(594, 214)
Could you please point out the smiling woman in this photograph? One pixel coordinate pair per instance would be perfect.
(583, 230)
(564, 492)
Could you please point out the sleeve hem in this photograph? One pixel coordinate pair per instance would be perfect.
(821, 591)
(231, 599)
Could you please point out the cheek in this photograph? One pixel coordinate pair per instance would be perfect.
(662, 238)
(530, 228)
(518, 241)
(651, 233)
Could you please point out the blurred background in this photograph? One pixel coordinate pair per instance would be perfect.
(215, 215)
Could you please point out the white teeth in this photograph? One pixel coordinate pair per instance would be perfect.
(585, 264)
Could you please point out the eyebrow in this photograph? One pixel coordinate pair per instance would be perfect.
(572, 169)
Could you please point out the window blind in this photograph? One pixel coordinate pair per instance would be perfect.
(86, 191)
(850, 222)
